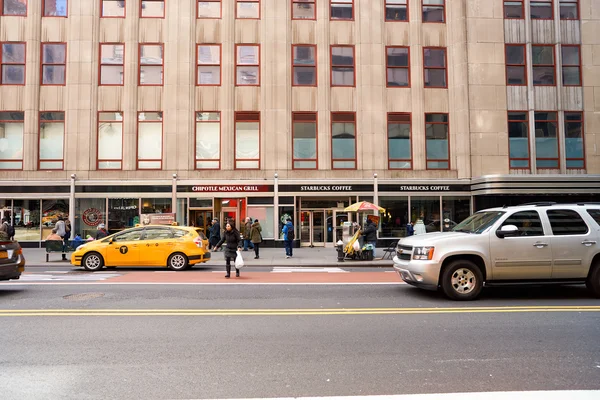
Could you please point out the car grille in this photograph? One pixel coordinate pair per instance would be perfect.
(405, 256)
(404, 252)
(405, 248)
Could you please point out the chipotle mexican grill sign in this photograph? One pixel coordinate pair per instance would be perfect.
(231, 188)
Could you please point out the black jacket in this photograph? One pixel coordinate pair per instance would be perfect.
(370, 232)
(215, 231)
(101, 234)
(232, 240)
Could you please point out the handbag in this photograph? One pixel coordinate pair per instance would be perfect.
(239, 261)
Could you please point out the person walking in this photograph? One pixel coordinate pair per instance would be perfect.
(370, 234)
(233, 243)
(247, 233)
(61, 230)
(256, 237)
(101, 232)
(6, 230)
(288, 238)
(215, 234)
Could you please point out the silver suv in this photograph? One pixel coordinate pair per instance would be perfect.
(535, 243)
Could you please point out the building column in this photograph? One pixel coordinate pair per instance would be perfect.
(174, 196)
(72, 205)
(275, 206)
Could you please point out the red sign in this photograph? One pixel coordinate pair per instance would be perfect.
(231, 188)
(92, 217)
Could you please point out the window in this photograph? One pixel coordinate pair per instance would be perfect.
(574, 140)
(12, 61)
(12, 124)
(594, 213)
(110, 140)
(247, 9)
(112, 65)
(396, 10)
(52, 138)
(434, 10)
(342, 66)
(157, 233)
(128, 236)
(528, 222)
(438, 144)
(304, 135)
(54, 63)
(304, 68)
(546, 139)
(150, 140)
(247, 65)
(208, 65)
(516, 65)
(208, 140)
(151, 65)
(518, 139)
(569, 9)
(343, 140)
(304, 9)
(247, 140)
(514, 9)
(571, 65)
(341, 10)
(113, 8)
(542, 58)
(399, 144)
(566, 222)
(541, 9)
(398, 66)
(55, 8)
(14, 8)
(434, 61)
(152, 9)
(209, 9)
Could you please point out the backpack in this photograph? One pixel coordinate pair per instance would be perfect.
(10, 230)
(290, 233)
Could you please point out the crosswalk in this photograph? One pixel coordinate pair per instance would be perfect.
(331, 270)
(63, 276)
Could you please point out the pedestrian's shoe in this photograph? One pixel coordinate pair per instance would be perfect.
(227, 276)
(287, 256)
(255, 257)
(237, 273)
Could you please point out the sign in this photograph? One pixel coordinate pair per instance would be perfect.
(424, 188)
(231, 189)
(374, 218)
(92, 217)
(158, 219)
(325, 188)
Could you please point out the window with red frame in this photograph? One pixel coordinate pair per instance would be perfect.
(112, 65)
(208, 65)
(304, 65)
(208, 140)
(247, 140)
(12, 62)
(247, 9)
(434, 10)
(434, 62)
(546, 139)
(209, 9)
(304, 139)
(343, 140)
(150, 140)
(569, 9)
(574, 142)
(571, 65)
(341, 10)
(52, 140)
(13, 8)
(12, 124)
(342, 66)
(113, 8)
(544, 68)
(437, 135)
(247, 65)
(398, 66)
(55, 8)
(110, 140)
(304, 9)
(151, 64)
(152, 9)
(396, 10)
(516, 65)
(399, 141)
(518, 139)
(54, 63)
(541, 9)
(514, 9)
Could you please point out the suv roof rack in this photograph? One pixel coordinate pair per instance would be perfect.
(540, 203)
(588, 203)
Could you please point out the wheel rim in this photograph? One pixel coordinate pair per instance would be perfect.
(177, 261)
(463, 281)
(92, 261)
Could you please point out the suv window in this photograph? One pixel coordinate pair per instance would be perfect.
(528, 222)
(595, 214)
(158, 233)
(566, 222)
(127, 236)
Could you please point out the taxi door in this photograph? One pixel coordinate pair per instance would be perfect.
(156, 246)
(124, 248)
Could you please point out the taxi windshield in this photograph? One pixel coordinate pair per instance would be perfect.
(478, 222)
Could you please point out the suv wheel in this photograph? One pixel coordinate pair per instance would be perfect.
(593, 280)
(462, 280)
(92, 262)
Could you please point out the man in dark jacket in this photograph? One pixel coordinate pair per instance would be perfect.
(215, 233)
(101, 233)
(370, 234)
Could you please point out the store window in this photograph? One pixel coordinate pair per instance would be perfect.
(113, 8)
(304, 68)
(514, 9)
(435, 64)
(541, 9)
(247, 140)
(516, 65)
(11, 139)
(26, 220)
(89, 213)
(398, 66)
(152, 9)
(438, 143)
(518, 139)
(425, 214)
(304, 9)
(110, 140)
(434, 10)
(156, 206)
(546, 139)
(396, 10)
(542, 58)
(304, 132)
(122, 214)
(150, 140)
(286, 212)
(55, 8)
(265, 216)
(151, 65)
(208, 140)
(182, 212)
(343, 140)
(455, 209)
(571, 65)
(52, 210)
(247, 65)
(52, 141)
(209, 9)
(574, 144)
(208, 65)
(399, 141)
(112, 64)
(12, 62)
(14, 8)
(395, 218)
(247, 9)
(54, 63)
(342, 66)
(569, 9)
(341, 10)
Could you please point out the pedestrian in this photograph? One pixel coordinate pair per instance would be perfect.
(370, 234)
(77, 241)
(215, 233)
(7, 229)
(288, 238)
(61, 230)
(410, 230)
(233, 243)
(55, 236)
(247, 229)
(101, 233)
(256, 237)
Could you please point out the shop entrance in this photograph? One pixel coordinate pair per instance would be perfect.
(229, 214)
(201, 219)
(321, 228)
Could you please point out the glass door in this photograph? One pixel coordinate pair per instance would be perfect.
(201, 219)
(318, 228)
(305, 239)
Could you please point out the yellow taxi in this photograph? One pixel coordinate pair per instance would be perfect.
(176, 247)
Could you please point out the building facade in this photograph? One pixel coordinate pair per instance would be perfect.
(110, 109)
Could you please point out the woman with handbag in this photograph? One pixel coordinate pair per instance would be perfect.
(256, 237)
(233, 244)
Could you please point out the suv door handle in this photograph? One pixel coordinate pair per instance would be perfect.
(588, 243)
(540, 245)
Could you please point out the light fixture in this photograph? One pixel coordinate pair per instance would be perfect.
(276, 175)
(174, 176)
(73, 176)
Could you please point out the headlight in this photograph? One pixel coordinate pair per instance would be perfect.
(80, 247)
(423, 253)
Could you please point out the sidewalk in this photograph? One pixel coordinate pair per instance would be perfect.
(269, 257)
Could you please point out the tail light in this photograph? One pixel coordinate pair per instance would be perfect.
(198, 242)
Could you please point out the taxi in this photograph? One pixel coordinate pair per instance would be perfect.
(176, 247)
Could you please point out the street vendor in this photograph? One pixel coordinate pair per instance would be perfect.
(370, 234)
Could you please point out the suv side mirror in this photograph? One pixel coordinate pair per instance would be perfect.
(507, 231)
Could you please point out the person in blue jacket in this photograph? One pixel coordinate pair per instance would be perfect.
(288, 238)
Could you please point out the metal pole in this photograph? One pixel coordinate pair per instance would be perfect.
(276, 206)
(174, 196)
(72, 205)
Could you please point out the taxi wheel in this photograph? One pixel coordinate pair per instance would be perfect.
(92, 262)
(177, 262)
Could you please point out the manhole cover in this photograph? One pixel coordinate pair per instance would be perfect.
(83, 296)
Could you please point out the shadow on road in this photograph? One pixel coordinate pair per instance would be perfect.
(6, 292)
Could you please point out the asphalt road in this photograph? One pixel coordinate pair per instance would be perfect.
(440, 346)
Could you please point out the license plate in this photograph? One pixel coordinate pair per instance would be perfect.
(3, 254)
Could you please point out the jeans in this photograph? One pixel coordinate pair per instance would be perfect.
(374, 243)
(289, 245)
(248, 243)
(256, 249)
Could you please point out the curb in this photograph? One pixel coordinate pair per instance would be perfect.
(319, 265)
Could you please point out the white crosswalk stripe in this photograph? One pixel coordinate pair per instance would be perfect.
(60, 276)
(333, 270)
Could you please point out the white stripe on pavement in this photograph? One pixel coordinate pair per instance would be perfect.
(228, 283)
(308, 269)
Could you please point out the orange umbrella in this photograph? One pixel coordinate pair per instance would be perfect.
(364, 206)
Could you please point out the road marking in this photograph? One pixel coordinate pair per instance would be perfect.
(308, 269)
(63, 277)
(228, 283)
